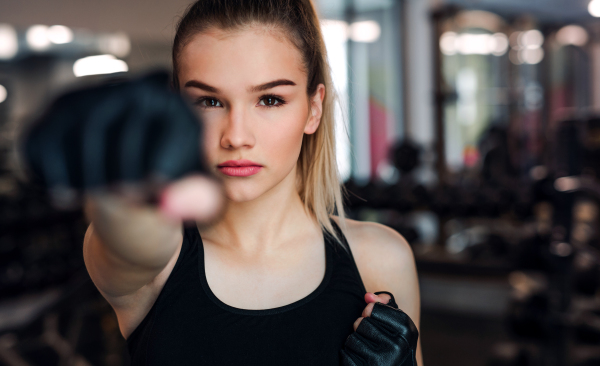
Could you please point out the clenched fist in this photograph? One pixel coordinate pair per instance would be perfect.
(384, 335)
(135, 136)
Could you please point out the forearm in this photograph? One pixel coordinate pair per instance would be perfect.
(139, 235)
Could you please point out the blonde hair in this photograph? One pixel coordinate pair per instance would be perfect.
(319, 184)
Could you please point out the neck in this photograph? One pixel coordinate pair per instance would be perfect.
(265, 224)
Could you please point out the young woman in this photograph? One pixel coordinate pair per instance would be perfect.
(277, 279)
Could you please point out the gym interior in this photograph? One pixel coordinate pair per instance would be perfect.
(471, 127)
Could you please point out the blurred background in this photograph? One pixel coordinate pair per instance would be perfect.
(475, 133)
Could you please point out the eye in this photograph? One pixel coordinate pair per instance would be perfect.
(271, 101)
(206, 102)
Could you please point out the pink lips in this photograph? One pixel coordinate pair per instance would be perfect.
(239, 168)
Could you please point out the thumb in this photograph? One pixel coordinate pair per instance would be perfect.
(192, 198)
(382, 298)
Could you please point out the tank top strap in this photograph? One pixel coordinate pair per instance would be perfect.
(184, 326)
(343, 256)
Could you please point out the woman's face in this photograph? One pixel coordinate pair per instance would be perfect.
(249, 87)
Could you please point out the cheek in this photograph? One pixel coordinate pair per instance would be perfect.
(281, 138)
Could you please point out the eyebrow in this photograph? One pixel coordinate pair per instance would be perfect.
(270, 85)
(254, 89)
(199, 85)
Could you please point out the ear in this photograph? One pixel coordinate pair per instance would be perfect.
(316, 110)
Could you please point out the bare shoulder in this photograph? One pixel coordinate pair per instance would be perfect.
(378, 247)
(385, 261)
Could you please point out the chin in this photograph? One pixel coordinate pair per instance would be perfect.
(242, 192)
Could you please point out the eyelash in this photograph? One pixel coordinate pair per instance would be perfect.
(280, 101)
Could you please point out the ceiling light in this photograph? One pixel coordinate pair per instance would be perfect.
(499, 44)
(9, 45)
(531, 39)
(448, 43)
(59, 34)
(473, 44)
(572, 35)
(3, 93)
(531, 56)
(37, 37)
(96, 65)
(594, 8)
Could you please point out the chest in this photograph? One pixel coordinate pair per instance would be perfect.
(189, 325)
(264, 281)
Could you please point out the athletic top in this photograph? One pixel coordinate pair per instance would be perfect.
(189, 325)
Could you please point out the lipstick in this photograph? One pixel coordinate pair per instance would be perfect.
(239, 168)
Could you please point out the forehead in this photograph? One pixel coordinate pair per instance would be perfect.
(251, 56)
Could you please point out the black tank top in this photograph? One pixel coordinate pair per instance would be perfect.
(189, 325)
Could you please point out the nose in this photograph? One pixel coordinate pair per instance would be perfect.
(237, 133)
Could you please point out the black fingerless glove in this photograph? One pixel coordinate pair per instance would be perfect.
(392, 301)
(131, 131)
(386, 338)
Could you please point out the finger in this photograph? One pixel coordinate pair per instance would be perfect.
(372, 331)
(192, 198)
(368, 309)
(357, 323)
(136, 139)
(96, 133)
(371, 297)
(180, 149)
(357, 344)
